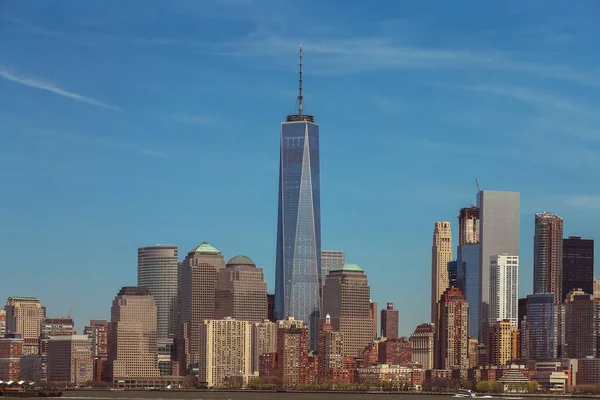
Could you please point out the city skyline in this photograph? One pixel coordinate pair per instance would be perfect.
(99, 140)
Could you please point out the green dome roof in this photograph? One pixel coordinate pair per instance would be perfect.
(240, 260)
(346, 267)
(205, 248)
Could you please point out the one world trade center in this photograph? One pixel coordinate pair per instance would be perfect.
(298, 263)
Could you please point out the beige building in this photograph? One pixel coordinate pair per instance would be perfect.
(241, 291)
(70, 359)
(264, 341)
(132, 346)
(346, 299)
(502, 343)
(423, 345)
(330, 259)
(24, 315)
(441, 255)
(2, 322)
(198, 274)
(225, 353)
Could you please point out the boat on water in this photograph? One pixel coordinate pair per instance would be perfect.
(465, 393)
(30, 393)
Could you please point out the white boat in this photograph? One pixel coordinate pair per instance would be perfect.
(465, 393)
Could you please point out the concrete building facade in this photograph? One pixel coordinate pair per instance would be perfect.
(61, 326)
(504, 288)
(264, 341)
(423, 346)
(24, 316)
(70, 359)
(329, 259)
(97, 332)
(548, 255)
(346, 298)
(441, 255)
(241, 291)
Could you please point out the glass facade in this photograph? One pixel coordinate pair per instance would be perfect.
(298, 263)
(468, 277)
(542, 327)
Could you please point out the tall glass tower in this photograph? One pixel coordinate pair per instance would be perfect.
(298, 263)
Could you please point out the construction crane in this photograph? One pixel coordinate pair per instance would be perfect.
(477, 182)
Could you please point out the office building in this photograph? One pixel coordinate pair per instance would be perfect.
(329, 259)
(389, 322)
(11, 351)
(441, 255)
(292, 352)
(271, 307)
(70, 359)
(96, 331)
(132, 345)
(540, 328)
(577, 265)
(24, 315)
(2, 322)
(582, 325)
(453, 273)
(346, 299)
(504, 288)
(453, 331)
(373, 315)
(52, 327)
(264, 341)
(157, 272)
(298, 260)
(499, 217)
(468, 277)
(468, 225)
(198, 275)
(225, 353)
(241, 291)
(548, 255)
(423, 346)
(330, 351)
(165, 356)
(502, 342)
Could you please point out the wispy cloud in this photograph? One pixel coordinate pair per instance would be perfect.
(52, 88)
(584, 201)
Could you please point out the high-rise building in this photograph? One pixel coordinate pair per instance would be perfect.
(453, 330)
(264, 341)
(577, 265)
(292, 352)
(540, 328)
(596, 290)
(24, 315)
(468, 225)
(271, 307)
(11, 351)
(241, 291)
(2, 322)
(423, 345)
(499, 218)
(346, 299)
(389, 322)
(441, 255)
(453, 273)
(502, 345)
(198, 274)
(70, 359)
(582, 325)
(329, 259)
(504, 288)
(96, 331)
(548, 255)
(373, 315)
(132, 346)
(62, 326)
(225, 353)
(330, 351)
(157, 272)
(298, 261)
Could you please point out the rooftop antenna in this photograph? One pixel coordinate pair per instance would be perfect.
(300, 98)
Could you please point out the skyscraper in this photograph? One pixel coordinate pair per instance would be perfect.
(578, 265)
(452, 273)
(292, 352)
(548, 255)
(582, 322)
(423, 345)
(132, 349)
(241, 291)
(330, 258)
(468, 225)
(504, 289)
(468, 267)
(24, 315)
(298, 261)
(52, 327)
(453, 330)
(96, 331)
(346, 298)
(502, 343)
(441, 255)
(70, 359)
(373, 315)
(198, 274)
(498, 234)
(540, 328)
(157, 272)
(389, 322)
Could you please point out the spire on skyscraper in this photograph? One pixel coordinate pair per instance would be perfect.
(300, 116)
(300, 98)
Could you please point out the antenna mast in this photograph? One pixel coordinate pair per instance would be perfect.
(300, 97)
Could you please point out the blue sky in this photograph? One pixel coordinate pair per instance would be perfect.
(126, 124)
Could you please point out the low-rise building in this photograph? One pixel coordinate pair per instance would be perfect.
(397, 375)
